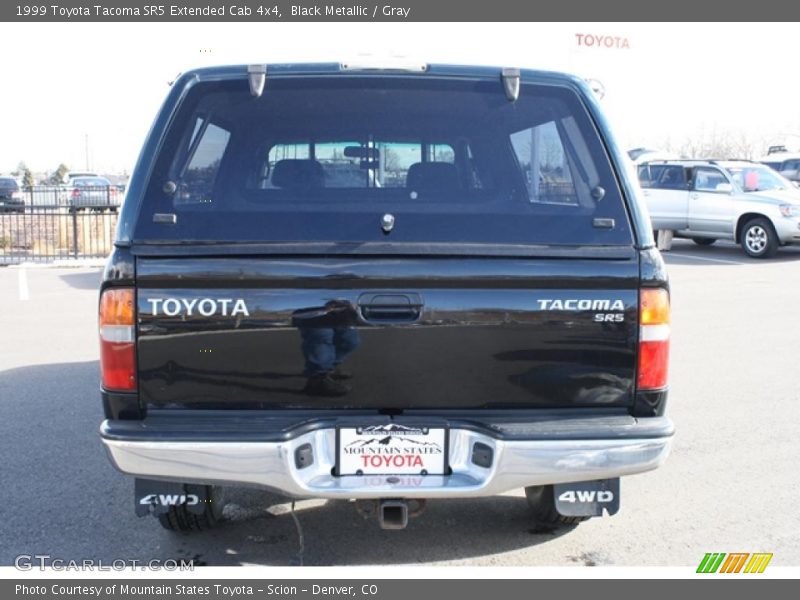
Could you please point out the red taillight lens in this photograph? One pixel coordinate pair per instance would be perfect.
(654, 335)
(118, 340)
(75, 193)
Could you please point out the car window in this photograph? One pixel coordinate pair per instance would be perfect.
(7, 183)
(664, 177)
(542, 156)
(708, 180)
(758, 178)
(790, 165)
(198, 171)
(358, 163)
(323, 159)
(644, 174)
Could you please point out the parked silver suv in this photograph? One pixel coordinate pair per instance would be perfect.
(707, 200)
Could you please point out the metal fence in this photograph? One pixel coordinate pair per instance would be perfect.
(85, 196)
(58, 223)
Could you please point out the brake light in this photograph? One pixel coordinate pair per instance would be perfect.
(118, 339)
(653, 339)
(75, 193)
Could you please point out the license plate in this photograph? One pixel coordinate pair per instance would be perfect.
(391, 450)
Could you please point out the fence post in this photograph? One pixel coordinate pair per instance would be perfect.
(75, 232)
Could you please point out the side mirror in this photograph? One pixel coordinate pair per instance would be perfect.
(725, 188)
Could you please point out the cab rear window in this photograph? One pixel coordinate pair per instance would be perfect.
(325, 158)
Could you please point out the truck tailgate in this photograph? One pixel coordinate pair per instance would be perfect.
(412, 332)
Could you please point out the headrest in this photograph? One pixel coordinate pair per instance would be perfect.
(297, 173)
(432, 177)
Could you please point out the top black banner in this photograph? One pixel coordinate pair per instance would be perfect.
(393, 10)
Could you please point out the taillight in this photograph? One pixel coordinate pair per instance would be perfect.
(118, 339)
(75, 193)
(653, 339)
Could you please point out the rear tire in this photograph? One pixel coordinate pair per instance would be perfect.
(542, 503)
(758, 238)
(704, 241)
(179, 518)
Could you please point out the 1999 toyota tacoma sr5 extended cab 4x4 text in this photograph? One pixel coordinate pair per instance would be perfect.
(387, 285)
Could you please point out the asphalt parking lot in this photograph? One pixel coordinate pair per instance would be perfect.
(730, 485)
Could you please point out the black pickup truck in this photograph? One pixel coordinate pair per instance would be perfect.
(383, 284)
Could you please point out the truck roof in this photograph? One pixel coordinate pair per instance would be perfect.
(385, 68)
(779, 156)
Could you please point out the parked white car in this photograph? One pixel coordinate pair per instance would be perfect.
(707, 200)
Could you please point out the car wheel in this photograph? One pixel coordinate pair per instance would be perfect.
(704, 241)
(542, 503)
(179, 518)
(759, 239)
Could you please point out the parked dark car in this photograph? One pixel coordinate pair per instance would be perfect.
(483, 310)
(11, 199)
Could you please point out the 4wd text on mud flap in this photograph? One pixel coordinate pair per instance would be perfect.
(170, 499)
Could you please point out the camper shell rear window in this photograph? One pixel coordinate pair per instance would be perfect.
(324, 158)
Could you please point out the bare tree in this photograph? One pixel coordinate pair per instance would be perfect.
(715, 143)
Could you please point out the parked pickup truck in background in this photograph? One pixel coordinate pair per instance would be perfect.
(707, 200)
(384, 285)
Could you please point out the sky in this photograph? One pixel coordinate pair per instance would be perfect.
(98, 86)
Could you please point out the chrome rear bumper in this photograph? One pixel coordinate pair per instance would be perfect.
(271, 464)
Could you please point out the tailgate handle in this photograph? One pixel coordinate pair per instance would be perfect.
(383, 307)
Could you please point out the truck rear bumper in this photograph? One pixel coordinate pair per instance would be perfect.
(535, 454)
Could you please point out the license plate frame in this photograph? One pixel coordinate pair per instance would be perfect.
(404, 441)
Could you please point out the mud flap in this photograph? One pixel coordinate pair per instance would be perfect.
(156, 497)
(587, 498)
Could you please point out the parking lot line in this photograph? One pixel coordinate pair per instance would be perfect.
(719, 260)
(22, 278)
